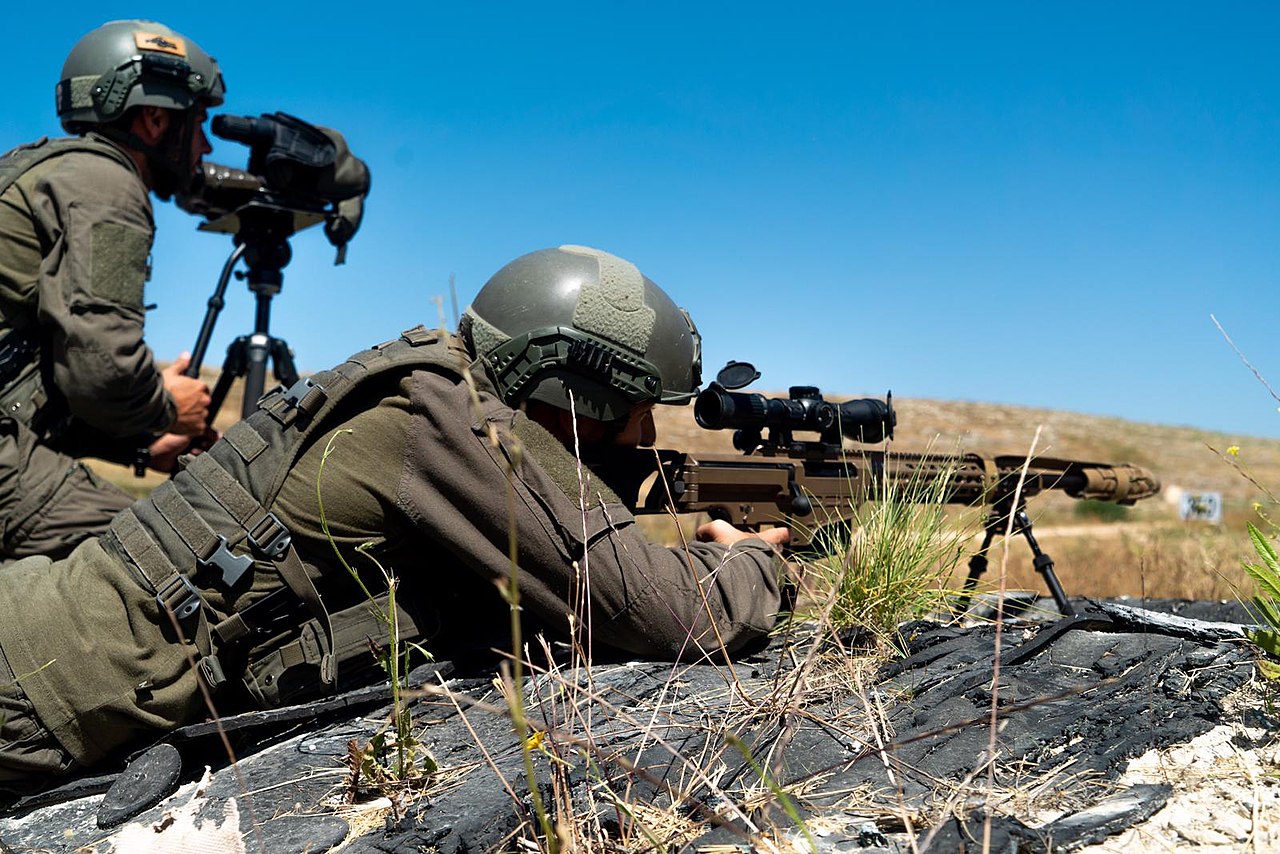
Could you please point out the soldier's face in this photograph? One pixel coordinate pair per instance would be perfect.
(639, 429)
(636, 430)
(199, 141)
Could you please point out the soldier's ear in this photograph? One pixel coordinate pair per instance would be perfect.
(151, 123)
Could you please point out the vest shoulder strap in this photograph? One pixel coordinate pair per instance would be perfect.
(17, 162)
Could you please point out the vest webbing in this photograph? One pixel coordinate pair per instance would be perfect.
(210, 526)
(16, 162)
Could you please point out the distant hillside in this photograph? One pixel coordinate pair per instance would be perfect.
(1180, 456)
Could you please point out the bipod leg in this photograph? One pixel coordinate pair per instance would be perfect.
(977, 564)
(1042, 562)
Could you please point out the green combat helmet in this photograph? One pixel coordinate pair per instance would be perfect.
(125, 64)
(581, 321)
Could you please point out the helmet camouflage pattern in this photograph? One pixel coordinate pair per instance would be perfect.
(581, 322)
(125, 64)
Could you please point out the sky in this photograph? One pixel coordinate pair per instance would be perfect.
(1035, 204)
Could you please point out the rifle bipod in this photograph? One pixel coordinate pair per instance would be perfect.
(1008, 519)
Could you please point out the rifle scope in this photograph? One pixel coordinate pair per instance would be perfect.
(864, 420)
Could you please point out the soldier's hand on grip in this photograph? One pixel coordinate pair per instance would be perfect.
(720, 531)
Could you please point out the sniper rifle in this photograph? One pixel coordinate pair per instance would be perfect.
(814, 485)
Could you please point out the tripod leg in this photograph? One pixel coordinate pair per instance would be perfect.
(255, 379)
(282, 362)
(232, 367)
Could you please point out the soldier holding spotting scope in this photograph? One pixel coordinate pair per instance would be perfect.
(76, 377)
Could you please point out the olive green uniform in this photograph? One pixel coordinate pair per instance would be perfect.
(75, 235)
(419, 468)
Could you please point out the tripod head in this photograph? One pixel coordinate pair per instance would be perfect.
(261, 230)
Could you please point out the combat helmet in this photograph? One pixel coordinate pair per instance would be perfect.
(575, 320)
(124, 64)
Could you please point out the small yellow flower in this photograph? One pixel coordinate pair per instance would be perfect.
(534, 741)
(1234, 450)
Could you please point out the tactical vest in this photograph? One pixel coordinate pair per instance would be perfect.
(210, 528)
(24, 394)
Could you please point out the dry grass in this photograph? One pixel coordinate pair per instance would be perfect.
(694, 794)
(1152, 560)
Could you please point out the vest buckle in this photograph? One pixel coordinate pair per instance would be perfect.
(232, 566)
(270, 537)
(179, 597)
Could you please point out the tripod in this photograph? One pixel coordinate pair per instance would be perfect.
(262, 241)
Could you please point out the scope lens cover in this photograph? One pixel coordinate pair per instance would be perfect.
(737, 375)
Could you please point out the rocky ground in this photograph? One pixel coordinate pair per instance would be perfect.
(1108, 734)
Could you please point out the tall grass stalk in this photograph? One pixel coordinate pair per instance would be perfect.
(1266, 574)
(394, 658)
(1002, 590)
(788, 805)
(515, 694)
(891, 562)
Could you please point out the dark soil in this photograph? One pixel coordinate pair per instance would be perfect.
(1076, 707)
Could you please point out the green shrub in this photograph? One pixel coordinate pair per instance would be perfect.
(1266, 602)
(891, 563)
(1100, 511)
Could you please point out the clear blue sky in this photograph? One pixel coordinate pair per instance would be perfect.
(1019, 203)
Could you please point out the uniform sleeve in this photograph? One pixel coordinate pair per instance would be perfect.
(479, 473)
(97, 218)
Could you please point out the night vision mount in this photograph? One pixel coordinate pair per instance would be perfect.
(298, 175)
